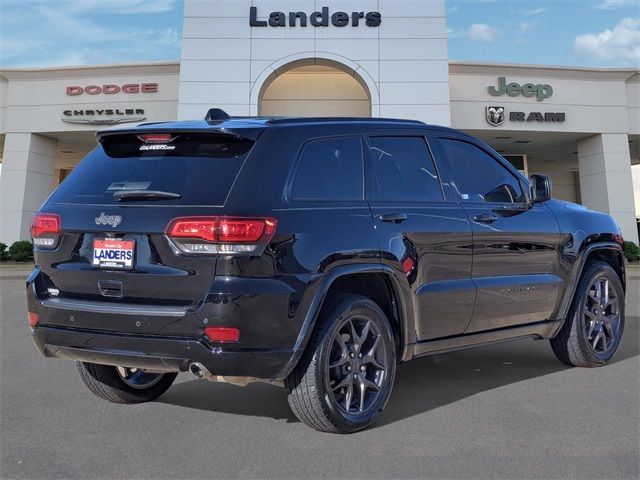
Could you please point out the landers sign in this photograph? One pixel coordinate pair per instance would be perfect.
(317, 19)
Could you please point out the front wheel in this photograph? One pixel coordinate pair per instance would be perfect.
(122, 384)
(345, 378)
(592, 331)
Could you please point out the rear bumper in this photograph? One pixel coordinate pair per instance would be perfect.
(157, 353)
(136, 336)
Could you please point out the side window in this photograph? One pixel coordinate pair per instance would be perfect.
(478, 177)
(404, 170)
(330, 169)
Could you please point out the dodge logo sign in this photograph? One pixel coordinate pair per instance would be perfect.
(112, 89)
(495, 115)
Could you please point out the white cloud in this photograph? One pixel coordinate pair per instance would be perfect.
(121, 7)
(46, 32)
(481, 32)
(168, 37)
(622, 43)
(610, 4)
(536, 11)
(525, 26)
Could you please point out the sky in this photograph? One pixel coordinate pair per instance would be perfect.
(37, 33)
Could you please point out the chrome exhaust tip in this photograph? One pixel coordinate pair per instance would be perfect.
(199, 370)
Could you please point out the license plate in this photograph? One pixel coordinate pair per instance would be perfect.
(113, 253)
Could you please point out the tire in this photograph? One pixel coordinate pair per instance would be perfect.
(576, 343)
(106, 382)
(338, 347)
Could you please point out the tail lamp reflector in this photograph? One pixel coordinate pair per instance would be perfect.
(222, 334)
(33, 319)
(220, 234)
(45, 229)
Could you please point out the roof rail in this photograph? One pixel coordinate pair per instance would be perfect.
(283, 120)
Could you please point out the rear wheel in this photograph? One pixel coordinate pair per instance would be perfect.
(593, 329)
(345, 378)
(123, 384)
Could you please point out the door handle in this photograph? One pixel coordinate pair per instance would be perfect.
(393, 217)
(485, 218)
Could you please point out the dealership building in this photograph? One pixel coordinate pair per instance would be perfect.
(379, 58)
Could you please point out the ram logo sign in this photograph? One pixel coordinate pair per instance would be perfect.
(495, 115)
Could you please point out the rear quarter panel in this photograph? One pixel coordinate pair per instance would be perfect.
(312, 237)
(582, 231)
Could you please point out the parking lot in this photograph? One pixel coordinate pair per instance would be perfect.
(504, 411)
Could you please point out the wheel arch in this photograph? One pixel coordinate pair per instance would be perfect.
(376, 281)
(608, 252)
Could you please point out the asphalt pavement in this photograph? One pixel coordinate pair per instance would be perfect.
(505, 411)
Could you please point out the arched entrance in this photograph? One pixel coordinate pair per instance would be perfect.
(314, 87)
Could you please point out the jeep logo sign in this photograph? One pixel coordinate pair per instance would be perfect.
(514, 89)
(112, 220)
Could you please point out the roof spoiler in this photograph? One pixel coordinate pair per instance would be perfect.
(215, 115)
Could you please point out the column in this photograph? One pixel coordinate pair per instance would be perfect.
(26, 180)
(606, 181)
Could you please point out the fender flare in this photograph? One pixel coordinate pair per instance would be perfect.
(576, 273)
(401, 295)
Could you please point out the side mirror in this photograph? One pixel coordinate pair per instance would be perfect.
(540, 188)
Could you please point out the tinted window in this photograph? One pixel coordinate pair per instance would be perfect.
(404, 170)
(330, 169)
(199, 168)
(478, 177)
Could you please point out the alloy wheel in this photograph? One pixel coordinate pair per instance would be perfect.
(357, 365)
(602, 315)
(137, 378)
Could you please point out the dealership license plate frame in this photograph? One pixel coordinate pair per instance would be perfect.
(114, 244)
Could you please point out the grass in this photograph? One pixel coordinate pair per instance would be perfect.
(4, 266)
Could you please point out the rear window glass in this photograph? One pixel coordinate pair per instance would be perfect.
(199, 169)
(330, 169)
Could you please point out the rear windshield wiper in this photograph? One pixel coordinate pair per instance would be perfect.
(123, 195)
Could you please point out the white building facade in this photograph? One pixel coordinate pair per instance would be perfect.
(380, 58)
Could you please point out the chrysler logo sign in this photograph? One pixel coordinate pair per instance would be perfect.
(104, 116)
(317, 19)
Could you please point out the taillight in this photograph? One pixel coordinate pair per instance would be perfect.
(227, 235)
(222, 334)
(619, 239)
(45, 230)
(33, 319)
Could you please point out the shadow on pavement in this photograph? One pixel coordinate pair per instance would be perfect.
(257, 399)
(421, 385)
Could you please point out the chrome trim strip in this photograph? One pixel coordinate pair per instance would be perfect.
(115, 308)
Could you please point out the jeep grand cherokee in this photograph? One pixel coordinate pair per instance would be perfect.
(318, 253)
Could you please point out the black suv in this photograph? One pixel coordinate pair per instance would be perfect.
(317, 253)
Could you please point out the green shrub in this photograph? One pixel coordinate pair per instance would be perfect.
(3, 252)
(21, 251)
(631, 251)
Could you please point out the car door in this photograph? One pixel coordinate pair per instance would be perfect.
(422, 234)
(515, 241)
